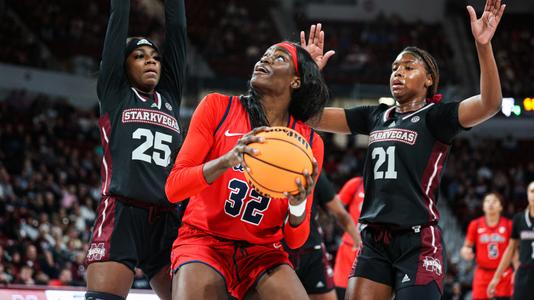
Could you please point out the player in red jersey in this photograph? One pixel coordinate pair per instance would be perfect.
(230, 237)
(351, 194)
(489, 235)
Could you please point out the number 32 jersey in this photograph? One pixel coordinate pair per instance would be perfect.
(229, 207)
(405, 160)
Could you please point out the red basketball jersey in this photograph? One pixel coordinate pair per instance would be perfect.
(229, 207)
(351, 194)
(489, 242)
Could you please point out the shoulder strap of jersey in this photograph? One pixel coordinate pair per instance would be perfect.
(230, 100)
(311, 137)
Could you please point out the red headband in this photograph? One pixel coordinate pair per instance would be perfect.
(435, 99)
(293, 52)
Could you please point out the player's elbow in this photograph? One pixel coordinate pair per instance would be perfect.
(172, 191)
(491, 104)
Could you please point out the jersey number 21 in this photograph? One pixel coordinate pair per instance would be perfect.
(380, 156)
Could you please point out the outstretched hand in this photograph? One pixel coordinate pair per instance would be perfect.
(484, 28)
(315, 45)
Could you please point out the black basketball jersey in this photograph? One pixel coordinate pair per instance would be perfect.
(140, 133)
(523, 230)
(323, 193)
(405, 160)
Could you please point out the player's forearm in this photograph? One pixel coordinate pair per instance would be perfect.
(296, 235)
(184, 182)
(214, 169)
(297, 228)
(296, 221)
(175, 18)
(111, 67)
(116, 34)
(347, 224)
(505, 261)
(333, 120)
(490, 84)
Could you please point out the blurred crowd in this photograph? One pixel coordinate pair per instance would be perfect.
(366, 50)
(49, 186)
(514, 55)
(232, 35)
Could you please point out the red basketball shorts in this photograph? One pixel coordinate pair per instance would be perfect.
(344, 260)
(241, 264)
(482, 279)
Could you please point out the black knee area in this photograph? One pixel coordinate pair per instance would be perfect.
(428, 292)
(102, 296)
(340, 292)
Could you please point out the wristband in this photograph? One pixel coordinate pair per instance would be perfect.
(299, 209)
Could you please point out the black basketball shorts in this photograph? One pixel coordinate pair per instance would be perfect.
(313, 269)
(402, 258)
(133, 235)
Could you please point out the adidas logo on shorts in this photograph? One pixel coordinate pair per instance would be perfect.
(405, 278)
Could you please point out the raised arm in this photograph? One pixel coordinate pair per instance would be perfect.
(479, 108)
(111, 74)
(174, 58)
(332, 119)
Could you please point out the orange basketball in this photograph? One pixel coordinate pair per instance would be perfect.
(283, 157)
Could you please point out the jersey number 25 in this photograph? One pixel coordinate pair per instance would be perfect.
(158, 141)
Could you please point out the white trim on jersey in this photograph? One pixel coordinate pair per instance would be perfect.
(103, 217)
(137, 94)
(387, 113)
(418, 111)
(433, 239)
(527, 218)
(104, 163)
(157, 98)
(429, 184)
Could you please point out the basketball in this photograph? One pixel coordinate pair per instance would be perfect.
(283, 157)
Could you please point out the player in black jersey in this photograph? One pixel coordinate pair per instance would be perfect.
(310, 261)
(522, 238)
(139, 93)
(402, 251)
